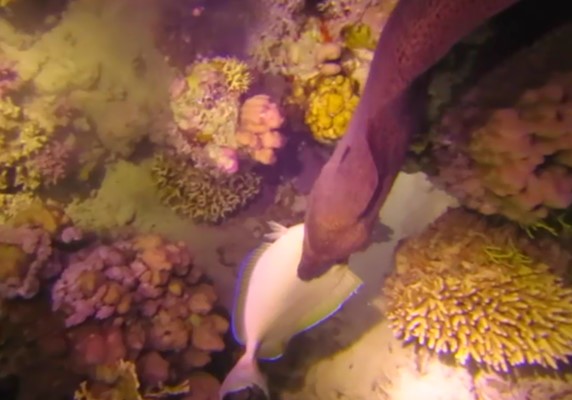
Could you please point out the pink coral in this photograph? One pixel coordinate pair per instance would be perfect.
(141, 277)
(51, 162)
(258, 133)
(511, 161)
(225, 158)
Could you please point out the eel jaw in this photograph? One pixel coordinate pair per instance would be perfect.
(312, 264)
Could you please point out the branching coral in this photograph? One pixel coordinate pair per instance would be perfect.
(258, 133)
(330, 107)
(51, 163)
(463, 288)
(278, 23)
(200, 193)
(33, 152)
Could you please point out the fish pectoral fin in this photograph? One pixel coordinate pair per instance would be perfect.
(272, 349)
(277, 231)
(344, 283)
(245, 273)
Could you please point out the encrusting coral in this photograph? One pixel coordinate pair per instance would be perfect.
(201, 194)
(464, 288)
(330, 107)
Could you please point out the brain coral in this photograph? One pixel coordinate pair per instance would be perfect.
(463, 288)
(200, 193)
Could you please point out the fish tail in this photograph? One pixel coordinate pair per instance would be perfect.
(245, 375)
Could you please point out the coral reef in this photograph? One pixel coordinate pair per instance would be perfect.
(277, 22)
(160, 312)
(37, 142)
(112, 83)
(499, 142)
(330, 107)
(341, 14)
(136, 302)
(201, 194)
(518, 162)
(205, 105)
(464, 288)
(257, 132)
(24, 252)
(26, 249)
(359, 36)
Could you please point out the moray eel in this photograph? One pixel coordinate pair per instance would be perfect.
(344, 203)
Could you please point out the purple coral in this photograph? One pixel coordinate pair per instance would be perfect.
(51, 162)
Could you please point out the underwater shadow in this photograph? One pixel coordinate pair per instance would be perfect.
(333, 336)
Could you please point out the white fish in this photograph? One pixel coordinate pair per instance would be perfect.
(272, 304)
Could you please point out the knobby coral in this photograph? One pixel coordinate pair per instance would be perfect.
(463, 288)
(141, 298)
(258, 132)
(330, 107)
(202, 194)
(519, 162)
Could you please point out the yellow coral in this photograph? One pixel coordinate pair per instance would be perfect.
(463, 288)
(359, 36)
(236, 73)
(47, 215)
(125, 383)
(21, 136)
(12, 204)
(200, 194)
(330, 107)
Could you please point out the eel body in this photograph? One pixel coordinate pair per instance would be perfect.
(352, 186)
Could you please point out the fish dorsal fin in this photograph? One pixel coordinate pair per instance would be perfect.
(277, 231)
(328, 294)
(241, 290)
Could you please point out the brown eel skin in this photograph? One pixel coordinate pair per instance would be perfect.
(345, 200)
